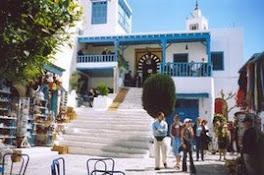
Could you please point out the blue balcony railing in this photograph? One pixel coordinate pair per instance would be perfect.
(96, 58)
(187, 69)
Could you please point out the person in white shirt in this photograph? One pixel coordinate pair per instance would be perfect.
(160, 130)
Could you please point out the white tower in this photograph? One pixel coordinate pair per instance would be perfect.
(106, 17)
(197, 21)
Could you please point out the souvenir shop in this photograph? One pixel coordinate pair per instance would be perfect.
(30, 116)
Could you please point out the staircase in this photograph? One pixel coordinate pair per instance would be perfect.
(118, 99)
(124, 132)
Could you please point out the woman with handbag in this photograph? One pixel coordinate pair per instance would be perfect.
(187, 135)
(160, 129)
(175, 133)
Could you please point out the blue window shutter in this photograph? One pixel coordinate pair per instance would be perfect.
(99, 12)
(217, 60)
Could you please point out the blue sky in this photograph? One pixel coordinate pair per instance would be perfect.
(170, 15)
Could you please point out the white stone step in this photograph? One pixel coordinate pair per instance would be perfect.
(106, 132)
(109, 117)
(106, 147)
(102, 153)
(135, 142)
(130, 127)
(102, 122)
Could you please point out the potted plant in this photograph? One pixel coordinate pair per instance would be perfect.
(101, 101)
(103, 89)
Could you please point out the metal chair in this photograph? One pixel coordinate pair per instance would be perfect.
(102, 172)
(58, 166)
(18, 167)
(100, 164)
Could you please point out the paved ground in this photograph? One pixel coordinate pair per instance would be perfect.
(41, 157)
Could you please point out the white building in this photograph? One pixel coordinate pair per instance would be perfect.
(201, 61)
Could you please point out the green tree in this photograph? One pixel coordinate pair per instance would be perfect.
(159, 95)
(31, 32)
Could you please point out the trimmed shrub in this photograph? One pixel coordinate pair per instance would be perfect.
(159, 95)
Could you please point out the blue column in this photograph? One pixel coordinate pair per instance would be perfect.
(208, 48)
(116, 43)
(163, 45)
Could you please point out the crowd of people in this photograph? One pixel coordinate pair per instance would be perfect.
(187, 137)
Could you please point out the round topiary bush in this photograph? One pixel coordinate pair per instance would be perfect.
(159, 95)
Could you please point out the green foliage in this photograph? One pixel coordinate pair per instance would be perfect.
(159, 95)
(74, 80)
(31, 33)
(103, 89)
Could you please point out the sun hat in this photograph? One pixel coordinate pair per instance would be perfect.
(187, 120)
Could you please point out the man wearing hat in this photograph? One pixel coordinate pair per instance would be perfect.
(249, 146)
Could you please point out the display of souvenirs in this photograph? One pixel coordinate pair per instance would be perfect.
(42, 125)
(7, 118)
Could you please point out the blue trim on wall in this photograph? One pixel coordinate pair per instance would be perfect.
(95, 68)
(125, 6)
(163, 45)
(54, 69)
(147, 38)
(192, 95)
(208, 48)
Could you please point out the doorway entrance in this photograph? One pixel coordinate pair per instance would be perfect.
(148, 64)
(185, 108)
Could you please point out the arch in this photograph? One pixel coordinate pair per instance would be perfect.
(148, 64)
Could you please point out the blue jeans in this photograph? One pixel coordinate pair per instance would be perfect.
(175, 146)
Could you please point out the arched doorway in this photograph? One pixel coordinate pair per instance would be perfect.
(148, 64)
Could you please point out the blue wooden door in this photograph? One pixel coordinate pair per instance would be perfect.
(185, 108)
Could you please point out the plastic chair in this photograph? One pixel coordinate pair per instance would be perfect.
(58, 166)
(100, 164)
(102, 172)
(16, 168)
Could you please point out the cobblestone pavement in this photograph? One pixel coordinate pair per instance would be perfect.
(41, 157)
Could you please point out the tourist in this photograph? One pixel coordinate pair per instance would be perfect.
(249, 148)
(80, 52)
(187, 135)
(105, 51)
(91, 96)
(205, 139)
(160, 129)
(128, 79)
(223, 140)
(175, 133)
(197, 128)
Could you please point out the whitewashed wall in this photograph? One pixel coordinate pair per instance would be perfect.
(101, 29)
(196, 51)
(66, 59)
(230, 41)
(198, 85)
